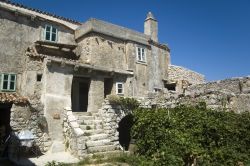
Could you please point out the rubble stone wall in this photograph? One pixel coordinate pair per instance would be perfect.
(180, 73)
(73, 135)
(228, 95)
(111, 115)
(30, 118)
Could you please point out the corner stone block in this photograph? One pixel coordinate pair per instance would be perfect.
(71, 118)
(69, 113)
(78, 132)
(74, 124)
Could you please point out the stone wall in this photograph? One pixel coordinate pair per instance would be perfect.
(226, 95)
(233, 85)
(180, 73)
(111, 115)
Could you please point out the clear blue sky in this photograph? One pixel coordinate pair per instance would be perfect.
(209, 36)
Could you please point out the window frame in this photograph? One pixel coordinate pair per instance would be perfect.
(50, 33)
(9, 81)
(117, 88)
(140, 51)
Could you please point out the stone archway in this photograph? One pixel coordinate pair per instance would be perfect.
(124, 129)
(117, 123)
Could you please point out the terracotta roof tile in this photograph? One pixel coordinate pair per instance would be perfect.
(13, 98)
(40, 11)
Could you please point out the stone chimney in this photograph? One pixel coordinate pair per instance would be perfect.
(151, 27)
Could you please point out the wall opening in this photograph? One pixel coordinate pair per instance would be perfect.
(170, 87)
(108, 85)
(124, 130)
(80, 94)
(39, 77)
(5, 128)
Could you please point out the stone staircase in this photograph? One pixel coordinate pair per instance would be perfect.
(97, 140)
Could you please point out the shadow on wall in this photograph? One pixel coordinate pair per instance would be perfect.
(12, 150)
(14, 154)
(124, 130)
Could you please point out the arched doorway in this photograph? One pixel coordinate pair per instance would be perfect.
(124, 130)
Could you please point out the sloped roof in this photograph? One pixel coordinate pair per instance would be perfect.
(13, 98)
(39, 12)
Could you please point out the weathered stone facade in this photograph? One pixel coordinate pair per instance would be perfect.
(59, 63)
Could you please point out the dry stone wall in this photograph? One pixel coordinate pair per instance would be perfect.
(228, 95)
(176, 73)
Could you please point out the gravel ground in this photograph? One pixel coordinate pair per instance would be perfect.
(48, 157)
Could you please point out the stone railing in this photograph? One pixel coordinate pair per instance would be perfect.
(74, 135)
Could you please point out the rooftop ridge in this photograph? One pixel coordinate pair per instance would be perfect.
(40, 11)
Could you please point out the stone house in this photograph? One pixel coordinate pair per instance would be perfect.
(49, 64)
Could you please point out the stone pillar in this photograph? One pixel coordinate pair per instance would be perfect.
(96, 94)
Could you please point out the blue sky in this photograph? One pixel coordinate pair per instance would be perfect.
(209, 36)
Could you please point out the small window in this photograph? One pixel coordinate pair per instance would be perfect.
(50, 33)
(39, 77)
(119, 88)
(8, 82)
(141, 54)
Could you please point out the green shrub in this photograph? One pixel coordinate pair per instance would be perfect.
(129, 104)
(114, 99)
(187, 135)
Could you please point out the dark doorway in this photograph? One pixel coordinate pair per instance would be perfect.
(171, 87)
(108, 85)
(124, 130)
(5, 120)
(79, 94)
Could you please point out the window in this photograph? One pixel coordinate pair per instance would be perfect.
(50, 33)
(39, 77)
(8, 82)
(119, 88)
(141, 54)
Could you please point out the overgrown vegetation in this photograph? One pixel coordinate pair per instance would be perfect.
(192, 135)
(185, 135)
(127, 104)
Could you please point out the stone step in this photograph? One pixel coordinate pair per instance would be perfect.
(82, 113)
(98, 137)
(101, 148)
(94, 131)
(98, 143)
(85, 127)
(116, 152)
(84, 117)
(89, 122)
